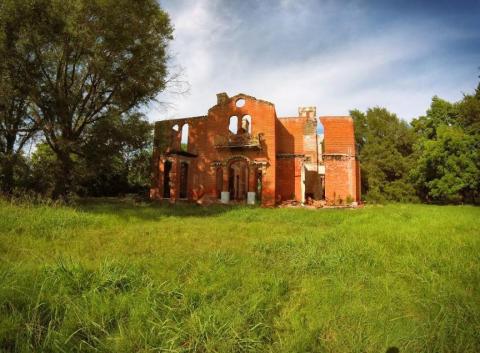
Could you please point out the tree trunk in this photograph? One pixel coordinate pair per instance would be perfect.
(64, 176)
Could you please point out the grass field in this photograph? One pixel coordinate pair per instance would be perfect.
(111, 276)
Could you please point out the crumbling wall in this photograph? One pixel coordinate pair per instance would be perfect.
(298, 156)
(205, 156)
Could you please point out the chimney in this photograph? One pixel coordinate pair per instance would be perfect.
(222, 98)
(307, 112)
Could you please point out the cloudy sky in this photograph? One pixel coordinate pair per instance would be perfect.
(336, 55)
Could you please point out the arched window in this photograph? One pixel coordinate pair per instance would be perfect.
(184, 139)
(247, 124)
(175, 127)
(233, 126)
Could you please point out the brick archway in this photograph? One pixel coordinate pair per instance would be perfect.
(238, 178)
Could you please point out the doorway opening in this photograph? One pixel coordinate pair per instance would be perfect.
(167, 167)
(314, 189)
(238, 180)
(183, 180)
(259, 185)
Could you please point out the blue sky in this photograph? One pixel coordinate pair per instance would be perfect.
(336, 55)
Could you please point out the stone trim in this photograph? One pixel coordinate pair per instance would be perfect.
(290, 155)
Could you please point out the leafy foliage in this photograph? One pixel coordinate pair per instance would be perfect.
(114, 159)
(436, 158)
(440, 113)
(447, 168)
(447, 151)
(117, 156)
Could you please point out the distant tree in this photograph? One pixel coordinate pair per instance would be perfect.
(43, 163)
(88, 60)
(384, 145)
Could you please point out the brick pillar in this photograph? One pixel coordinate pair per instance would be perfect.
(225, 195)
(174, 180)
(177, 135)
(251, 178)
(160, 177)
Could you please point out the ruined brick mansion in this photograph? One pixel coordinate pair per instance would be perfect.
(242, 152)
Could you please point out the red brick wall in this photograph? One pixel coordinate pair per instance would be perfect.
(290, 135)
(341, 167)
(289, 172)
(290, 132)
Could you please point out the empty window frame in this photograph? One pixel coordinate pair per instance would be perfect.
(184, 138)
(233, 125)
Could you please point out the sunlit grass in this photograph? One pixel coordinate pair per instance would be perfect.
(112, 276)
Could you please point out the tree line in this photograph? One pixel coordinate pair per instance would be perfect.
(435, 158)
(75, 75)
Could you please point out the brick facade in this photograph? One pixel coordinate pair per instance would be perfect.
(267, 159)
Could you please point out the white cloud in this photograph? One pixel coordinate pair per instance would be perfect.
(395, 67)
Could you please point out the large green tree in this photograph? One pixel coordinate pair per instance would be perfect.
(384, 145)
(88, 60)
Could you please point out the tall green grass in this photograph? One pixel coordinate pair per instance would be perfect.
(111, 276)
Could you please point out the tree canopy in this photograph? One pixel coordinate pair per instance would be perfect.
(384, 145)
(435, 158)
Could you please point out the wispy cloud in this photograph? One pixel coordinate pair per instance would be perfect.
(335, 56)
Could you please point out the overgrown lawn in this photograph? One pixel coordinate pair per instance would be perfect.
(112, 276)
